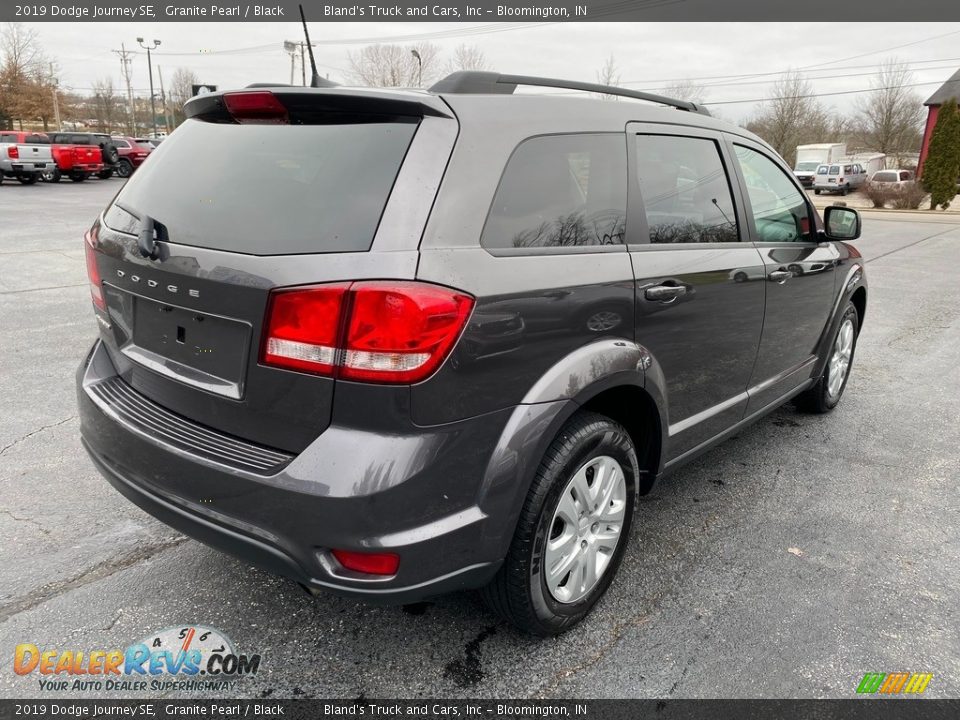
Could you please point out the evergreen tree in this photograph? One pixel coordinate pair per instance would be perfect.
(942, 167)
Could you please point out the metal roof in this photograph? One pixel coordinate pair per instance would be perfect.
(950, 89)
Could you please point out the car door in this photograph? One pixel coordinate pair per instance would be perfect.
(699, 281)
(800, 273)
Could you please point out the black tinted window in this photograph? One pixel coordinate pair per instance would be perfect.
(561, 191)
(686, 194)
(271, 189)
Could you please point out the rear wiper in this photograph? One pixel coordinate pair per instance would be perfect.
(150, 231)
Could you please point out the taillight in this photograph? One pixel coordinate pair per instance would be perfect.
(96, 288)
(374, 331)
(13, 152)
(255, 107)
(401, 331)
(383, 563)
(303, 327)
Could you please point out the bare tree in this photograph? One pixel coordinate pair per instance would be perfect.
(685, 90)
(890, 116)
(609, 74)
(395, 65)
(791, 116)
(466, 57)
(26, 82)
(106, 104)
(181, 90)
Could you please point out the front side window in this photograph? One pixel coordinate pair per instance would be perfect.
(685, 191)
(780, 212)
(561, 191)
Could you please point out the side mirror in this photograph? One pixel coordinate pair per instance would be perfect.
(841, 223)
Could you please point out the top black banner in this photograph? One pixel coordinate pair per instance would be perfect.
(480, 11)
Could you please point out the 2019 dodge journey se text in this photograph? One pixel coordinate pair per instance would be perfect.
(394, 343)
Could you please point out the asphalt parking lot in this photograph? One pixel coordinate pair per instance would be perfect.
(788, 562)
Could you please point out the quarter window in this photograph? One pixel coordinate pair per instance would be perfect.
(685, 190)
(561, 191)
(780, 212)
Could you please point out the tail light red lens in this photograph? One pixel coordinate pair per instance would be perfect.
(303, 327)
(13, 152)
(256, 107)
(368, 563)
(96, 285)
(373, 331)
(401, 331)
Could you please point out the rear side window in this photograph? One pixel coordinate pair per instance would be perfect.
(561, 191)
(822, 170)
(686, 194)
(271, 189)
(834, 169)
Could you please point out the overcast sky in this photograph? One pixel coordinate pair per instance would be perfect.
(648, 55)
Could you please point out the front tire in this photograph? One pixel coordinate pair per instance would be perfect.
(825, 395)
(51, 176)
(816, 191)
(573, 529)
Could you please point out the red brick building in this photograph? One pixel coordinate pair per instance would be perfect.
(950, 89)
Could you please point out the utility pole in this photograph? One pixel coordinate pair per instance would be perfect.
(153, 106)
(303, 66)
(56, 101)
(290, 48)
(125, 62)
(163, 100)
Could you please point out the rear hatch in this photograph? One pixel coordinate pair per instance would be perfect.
(240, 205)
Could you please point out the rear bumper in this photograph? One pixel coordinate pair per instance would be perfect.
(419, 495)
(28, 167)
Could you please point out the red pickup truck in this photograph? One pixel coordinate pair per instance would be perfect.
(76, 156)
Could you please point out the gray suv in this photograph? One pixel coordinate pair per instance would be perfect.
(395, 343)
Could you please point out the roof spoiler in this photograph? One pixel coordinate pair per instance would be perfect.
(471, 82)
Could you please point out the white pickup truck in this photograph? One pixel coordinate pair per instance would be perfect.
(24, 155)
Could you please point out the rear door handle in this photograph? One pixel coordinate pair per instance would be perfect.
(664, 293)
(780, 276)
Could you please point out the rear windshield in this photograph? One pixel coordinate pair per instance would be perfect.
(806, 166)
(885, 177)
(271, 189)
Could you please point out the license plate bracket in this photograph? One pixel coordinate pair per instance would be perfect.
(200, 349)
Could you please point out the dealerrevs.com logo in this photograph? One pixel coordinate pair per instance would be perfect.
(192, 657)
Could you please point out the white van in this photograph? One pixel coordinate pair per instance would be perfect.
(839, 177)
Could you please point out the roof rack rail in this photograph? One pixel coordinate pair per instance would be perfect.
(474, 82)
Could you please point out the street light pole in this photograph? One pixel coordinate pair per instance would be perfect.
(419, 67)
(153, 106)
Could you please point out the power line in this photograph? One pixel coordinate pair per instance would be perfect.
(827, 94)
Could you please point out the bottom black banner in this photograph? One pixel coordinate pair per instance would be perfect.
(852, 709)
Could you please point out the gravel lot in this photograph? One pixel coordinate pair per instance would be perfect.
(710, 601)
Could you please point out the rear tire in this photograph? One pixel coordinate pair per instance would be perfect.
(816, 191)
(826, 393)
(28, 179)
(124, 169)
(78, 176)
(51, 176)
(592, 460)
(105, 174)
